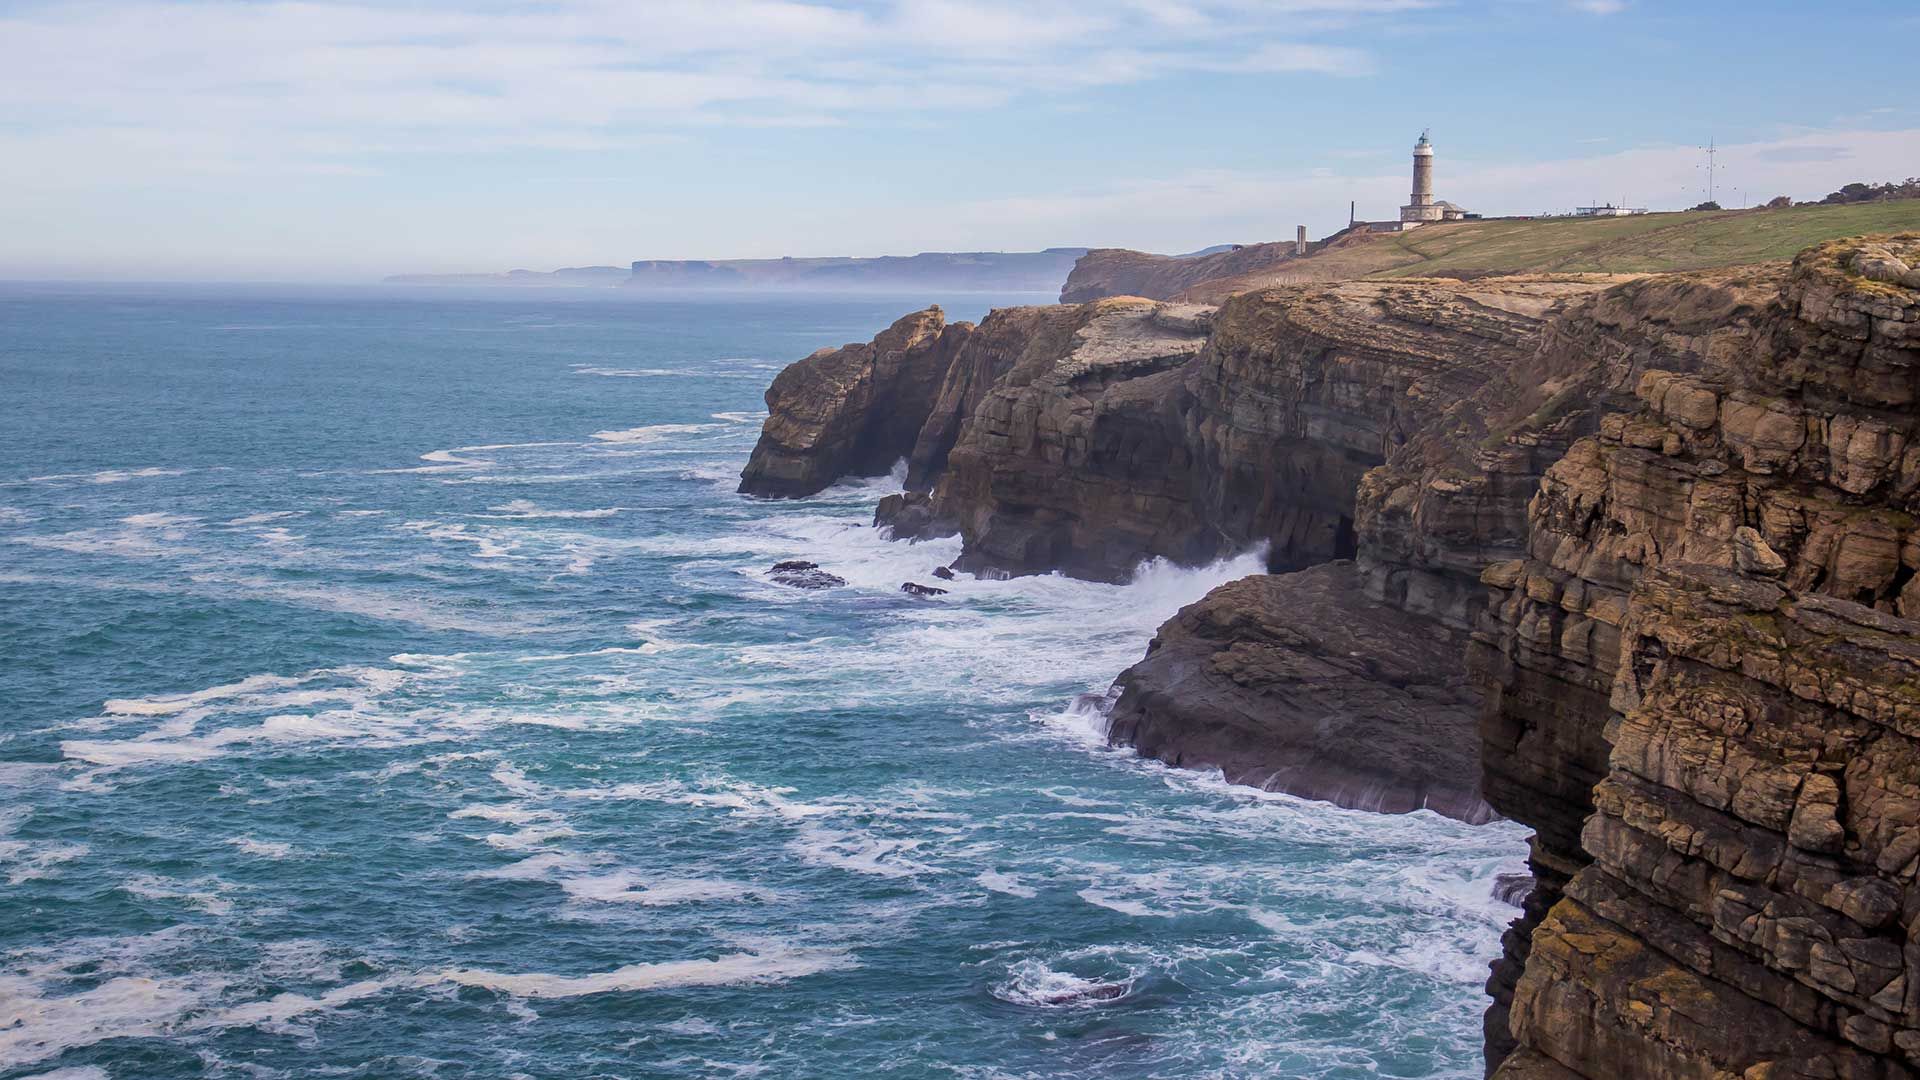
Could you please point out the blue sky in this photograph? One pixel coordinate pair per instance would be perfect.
(324, 140)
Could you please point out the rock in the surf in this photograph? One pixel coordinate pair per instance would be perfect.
(915, 589)
(800, 574)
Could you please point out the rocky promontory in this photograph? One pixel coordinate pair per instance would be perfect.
(1670, 520)
(1289, 682)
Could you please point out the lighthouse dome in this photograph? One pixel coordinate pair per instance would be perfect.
(1424, 147)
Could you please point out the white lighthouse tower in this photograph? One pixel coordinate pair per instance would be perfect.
(1421, 208)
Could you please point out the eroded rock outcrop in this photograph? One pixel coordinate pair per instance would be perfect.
(1259, 439)
(1710, 649)
(1296, 683)
(1073, 460)
(852, 411)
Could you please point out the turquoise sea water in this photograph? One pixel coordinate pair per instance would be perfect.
(392, 688)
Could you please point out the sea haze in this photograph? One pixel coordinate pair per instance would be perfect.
(392, 688)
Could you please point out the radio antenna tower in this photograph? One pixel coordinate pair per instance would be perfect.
(1710, 150)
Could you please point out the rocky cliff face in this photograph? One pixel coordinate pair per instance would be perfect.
(1671, 521)
(855, 410)
(1128, 440)
(1710, 648)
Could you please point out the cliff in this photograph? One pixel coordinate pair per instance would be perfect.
(1701, 689)
(1635, 563)
(852, 411)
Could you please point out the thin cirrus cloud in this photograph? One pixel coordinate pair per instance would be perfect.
(313, 85)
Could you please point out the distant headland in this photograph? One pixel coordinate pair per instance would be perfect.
(1018, 271)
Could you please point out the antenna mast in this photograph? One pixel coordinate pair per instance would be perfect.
(1710, 149)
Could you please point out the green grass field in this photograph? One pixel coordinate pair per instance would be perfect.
(1651, 243)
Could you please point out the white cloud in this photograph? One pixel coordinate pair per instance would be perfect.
(304, 84)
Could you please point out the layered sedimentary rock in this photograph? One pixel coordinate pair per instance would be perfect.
(1259, 439)
(1072, 460)
(855, 410)
(1292, 682)
(1678, 517)
(1710, 647)
(1002, 339)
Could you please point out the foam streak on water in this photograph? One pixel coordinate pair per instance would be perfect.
(384, 698)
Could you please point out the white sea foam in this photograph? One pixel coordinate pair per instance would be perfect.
(1031, 982)
(274, 1012)
(632, 373)
(265, 849)
(732, 969)
(1004, 883)
(110, 476)
(13, 515)
(29, 861)
(82, 1072)
(458, 458)
(651, 433)
(632, 887)
(165, 705)
(203, 893)
(527, 510)
(740, 417)
(35, 1026)
(545, 867)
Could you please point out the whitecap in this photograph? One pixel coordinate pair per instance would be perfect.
(732, 969)
(1004, 883)
(649, 434)
(110, 476)
(203, 893)
(528, 510)
(167, 704)
(1031, 982)
(536, 868)
(265, 849)
(34, 1027)
(28, 861)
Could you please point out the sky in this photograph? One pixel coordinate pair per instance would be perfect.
(323, 140)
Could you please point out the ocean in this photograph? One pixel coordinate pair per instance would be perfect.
(393, 687)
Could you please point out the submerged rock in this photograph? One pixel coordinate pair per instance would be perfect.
(800, 574)
(913, 589)
(943, 573)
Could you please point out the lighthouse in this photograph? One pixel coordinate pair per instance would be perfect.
(1420, 207)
